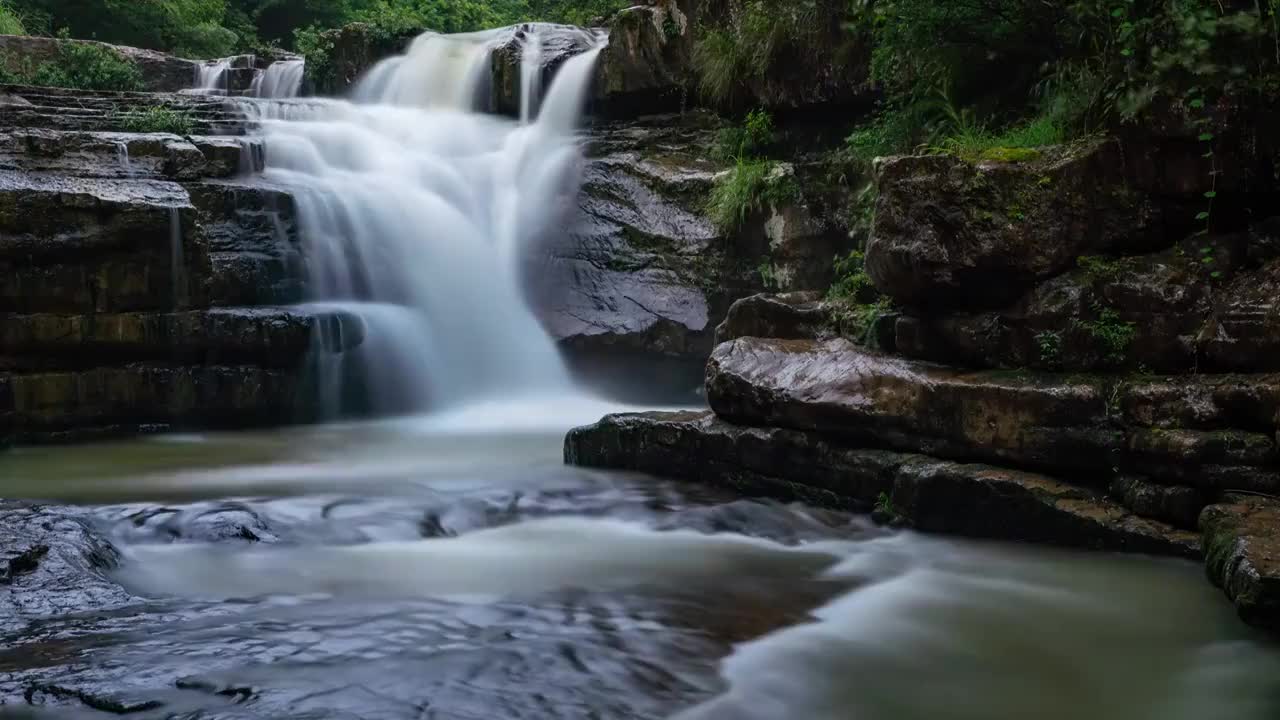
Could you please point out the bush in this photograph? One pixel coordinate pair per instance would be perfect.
(10, 23)
(753, 137)
(79, 66)
(158, 119)
(746, 188)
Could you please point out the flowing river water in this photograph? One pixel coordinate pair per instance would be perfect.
(445, 564)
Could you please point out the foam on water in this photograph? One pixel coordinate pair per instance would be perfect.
(281, 80)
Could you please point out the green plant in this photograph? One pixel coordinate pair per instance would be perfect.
(1050, 346)
(768, 275)
(10, 22)
(85, 66)
(1110, 332)
(748, 187)
(851, 280)
(1098, 268)
(157, 119)
(884, 506)
(748, 140)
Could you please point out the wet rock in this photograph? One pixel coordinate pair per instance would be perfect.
(354, 48)
(647, 66)
(1214, 432)
(788, 316)
(51, 564)
(556, 44)
(1177, 505)
(954, 233)
(1242, 554)
(787, 464)
(269, 337)
(160, 72)
(67, 406)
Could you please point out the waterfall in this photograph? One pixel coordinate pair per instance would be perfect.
(282, 79)
(530, 76)
(415, 213)
(212, 77)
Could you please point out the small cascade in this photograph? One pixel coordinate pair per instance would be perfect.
(281, 80)
(530, 76)
(177, 259)
(417, 214)
(213, 76)
(122, 156)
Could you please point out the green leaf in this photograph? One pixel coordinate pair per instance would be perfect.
(1206, 261)
(1211, 194)
(1203, 216)
(1127, 52)
(1118, 12)
(1196, 104)
(1204, 136)
(1206, 250)
(1215, 274)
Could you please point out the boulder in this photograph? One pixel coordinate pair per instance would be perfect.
(932, 495)
(647, 66)
(1214, 432)
(967, 234)
(1242, 555)
(789, 316)
(555, 44)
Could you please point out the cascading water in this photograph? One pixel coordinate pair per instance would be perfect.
(530, 76)
(416, 211)
(281, 80)
(212, 77)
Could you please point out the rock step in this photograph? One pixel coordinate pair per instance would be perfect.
(268, 337)
(76, 405)
(1242, 555)
(930, 494)
(122, 155)
(1211, 432)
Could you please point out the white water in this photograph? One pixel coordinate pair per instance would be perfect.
(281, 80)
(416, 212)
(530, 76)
(214, 75)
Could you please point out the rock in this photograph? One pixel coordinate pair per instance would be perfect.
(1206, 304)
(642, 271)
(160, 72)
(52, 564)
(788, 316)
(647, 66)
(269, 337)
(928, 493)
(961, 234)
(352, 49)
(1200, 430)
(78, 405)
(1242, 555)
(556, 44)
(1179, 506)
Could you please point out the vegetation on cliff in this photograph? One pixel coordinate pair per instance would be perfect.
(213, 28)
(81, 66)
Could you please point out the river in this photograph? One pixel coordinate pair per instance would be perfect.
(417, 568)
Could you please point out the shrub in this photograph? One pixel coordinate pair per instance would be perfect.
(158, 119)
(10, 23)
(851, 280)
(86, 66)
(746, 188)
(752, 138)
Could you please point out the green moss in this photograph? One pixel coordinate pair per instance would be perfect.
(1009, 155)
(1113, 335)
(1099, 268)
